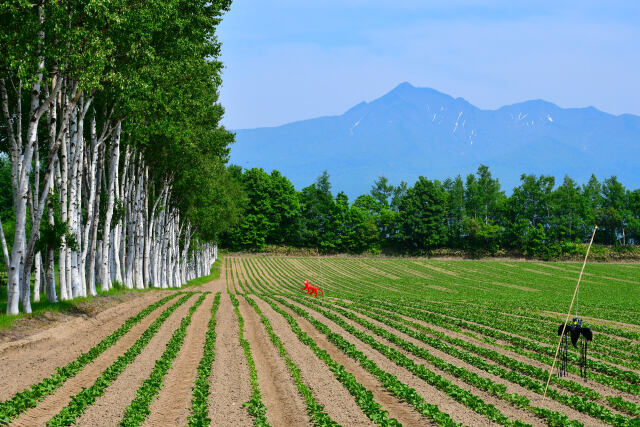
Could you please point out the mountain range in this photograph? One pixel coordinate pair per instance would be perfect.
(413, 131)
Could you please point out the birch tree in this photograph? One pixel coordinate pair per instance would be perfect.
(130, 100)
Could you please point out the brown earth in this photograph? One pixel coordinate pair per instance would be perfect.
(431, 394)
(600, 388)
(33, 358)
(329, 392)
(172, 404)
(230, 386)
(109, 408)
(32, 325)
(54, 403)
(285, 405)
(399, 410)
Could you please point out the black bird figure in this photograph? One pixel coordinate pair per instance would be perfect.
(574, 329)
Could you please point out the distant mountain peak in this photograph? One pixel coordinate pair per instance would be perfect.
(412, 131)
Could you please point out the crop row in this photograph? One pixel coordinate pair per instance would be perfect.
(629, 335)
(255, 406)
(512, 364)
(88, 396)
(461, 395)
(619, 403)
(199, 408)
(611, 370)
(612, 355)
(363, 397)
(516, 345)
(539, 332)
(457, 274)
(485, 384)
(627, 407)
(572, 401)
(539, 323)
(138, 410)
(314, 409)
(540, 353)
(29, 398)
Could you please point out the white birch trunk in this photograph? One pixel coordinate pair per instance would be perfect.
(105, 277)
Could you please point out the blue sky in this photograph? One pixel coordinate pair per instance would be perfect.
(288, 60)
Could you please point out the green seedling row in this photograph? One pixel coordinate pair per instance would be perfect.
(314, 409)
(255, 406)
(88, 396)
(363, 397)
(20, 402)
(199, 408)
(138, 410)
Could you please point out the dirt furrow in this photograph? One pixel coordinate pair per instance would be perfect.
(397, 409)
(328, 391)
(109, 409)
(171, 407)
(230, 385)
(285, 406)
(32, 359)
(51, 405)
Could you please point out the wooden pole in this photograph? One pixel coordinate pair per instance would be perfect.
(569, 312)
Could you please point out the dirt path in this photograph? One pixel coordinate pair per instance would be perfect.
(109, 409)
(397, 409)
(34, 358)
(230, 386)
(285, 406)
(328, 391)
(51, 405)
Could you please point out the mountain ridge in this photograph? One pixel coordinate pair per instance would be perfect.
(411, 131)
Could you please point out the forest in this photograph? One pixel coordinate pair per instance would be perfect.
(112, 156)
(539, 219)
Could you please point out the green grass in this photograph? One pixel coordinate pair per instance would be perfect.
(214, 274)
(75, 306)
(44, 306)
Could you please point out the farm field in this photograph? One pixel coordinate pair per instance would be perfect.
(390, 342)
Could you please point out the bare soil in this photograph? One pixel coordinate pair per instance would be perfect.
(54, 403)
(432, 395)
(604, 390)
(109, 409)
(33, 358)
(174, 399)
(506, 408)
(329, 392)
(32, 325)
(285, 405)
(397, 409)
(230, 386)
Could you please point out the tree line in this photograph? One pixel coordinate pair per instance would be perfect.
(112, 156)
(474, 214)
